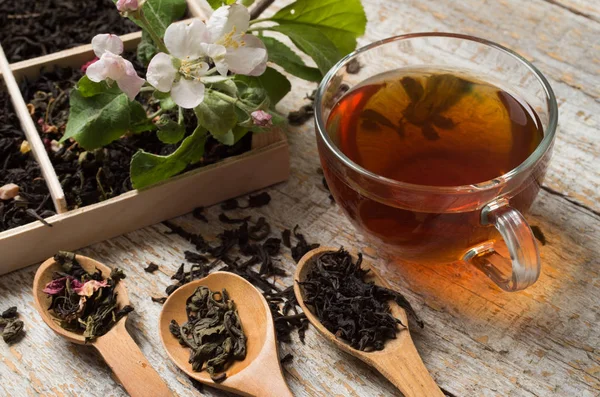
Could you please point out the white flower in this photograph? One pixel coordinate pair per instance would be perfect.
(230, 47)
(223, 40)
(181, 72)
(113, 67)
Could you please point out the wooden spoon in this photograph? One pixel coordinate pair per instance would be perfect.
(259, 374)
(399, 361)
(117, 347)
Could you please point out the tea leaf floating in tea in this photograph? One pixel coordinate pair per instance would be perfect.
(84, 302)
(11, 327)
(355, 311)
(213, 332)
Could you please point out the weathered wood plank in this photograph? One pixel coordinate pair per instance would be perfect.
(587, 8)
(478, 340)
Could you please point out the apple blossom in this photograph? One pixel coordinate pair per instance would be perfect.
(113, 67)
(229, 45)
(222, 39)
(181, 72)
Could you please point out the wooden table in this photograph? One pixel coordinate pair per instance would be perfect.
(478, 340)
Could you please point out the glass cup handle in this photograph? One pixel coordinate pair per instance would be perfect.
(523, 267)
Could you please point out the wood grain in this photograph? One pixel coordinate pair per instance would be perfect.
(477, 341)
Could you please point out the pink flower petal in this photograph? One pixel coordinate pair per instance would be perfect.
(55, 286)
(86, 65)
(89, 287)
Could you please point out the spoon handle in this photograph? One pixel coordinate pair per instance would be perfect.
(129, 365)
(404, 368)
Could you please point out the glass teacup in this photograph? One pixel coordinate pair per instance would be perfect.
(480, 223)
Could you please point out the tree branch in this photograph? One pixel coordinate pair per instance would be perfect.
(259, 8)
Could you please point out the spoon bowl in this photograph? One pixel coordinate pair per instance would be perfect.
(117, 347)
(399, 361)
(259, 374)
(42, 301)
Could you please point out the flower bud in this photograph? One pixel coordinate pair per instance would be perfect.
(261, 118)
(127, 5)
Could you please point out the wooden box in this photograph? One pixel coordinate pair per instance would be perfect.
(266, 164)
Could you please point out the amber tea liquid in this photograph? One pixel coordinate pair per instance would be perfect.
(430, 128)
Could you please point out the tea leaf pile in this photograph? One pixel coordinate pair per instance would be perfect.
(88, 177)
(213, 332)
(84, 302)
(33, 28)
(355, 311)
(33, 201)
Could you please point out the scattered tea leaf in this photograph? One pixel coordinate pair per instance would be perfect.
(11, 312)
(232, 221)
(259, 200)
(151, 268)
(302, 247)
(160, 300)
(11, 328)
(198, 213)
(538, 234)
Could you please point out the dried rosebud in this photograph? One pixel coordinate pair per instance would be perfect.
(127, 5)
(85, 66)
(261, 118)
(25, 147)
(9, 191)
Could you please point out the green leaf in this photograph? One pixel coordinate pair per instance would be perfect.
(216, 114)
(342, 21)
(232, 136)
(97, 120)
(161, 13)
(139, 121)
(215, 3)
(87, 88)
(169, 131)
(166, 102)
(283, 56)
(226, 86)
(312, 42)
(147, 169)
(274, 83)
(146, 49)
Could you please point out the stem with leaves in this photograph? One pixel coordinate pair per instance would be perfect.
(141, 18)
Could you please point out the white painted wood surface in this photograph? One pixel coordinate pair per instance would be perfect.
(478, 341)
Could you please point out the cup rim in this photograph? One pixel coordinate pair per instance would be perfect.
(528, 163)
